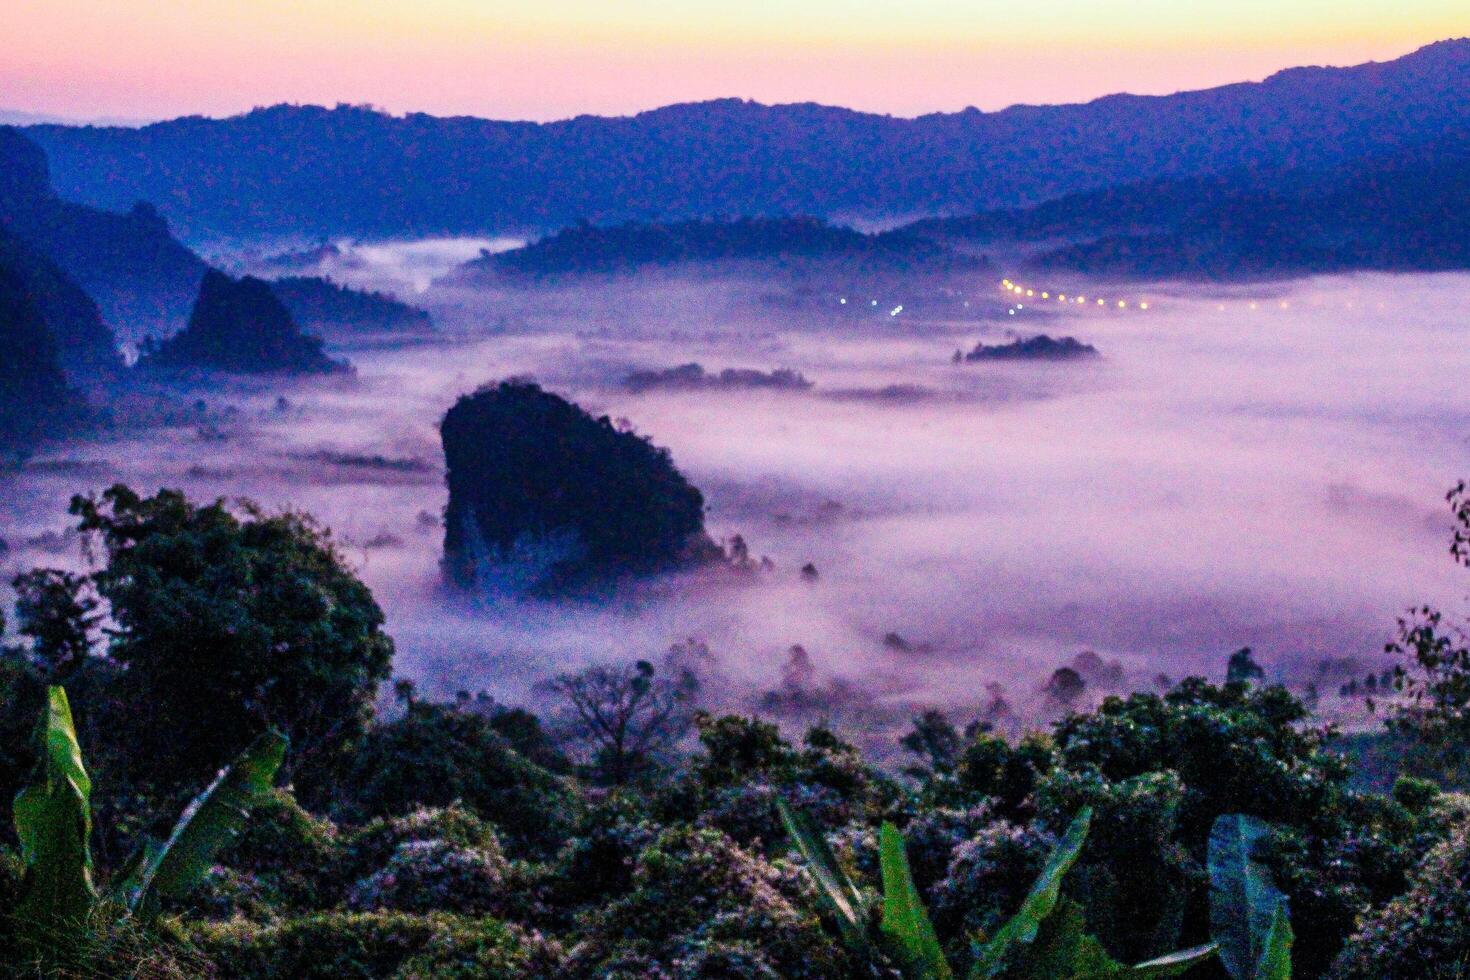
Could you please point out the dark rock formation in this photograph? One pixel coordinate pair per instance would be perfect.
(240, 325)
(692, 375)
(1038, 348)
(320, 303)
(554, 498)
(141, 277)
(84, 344)
(34, 397)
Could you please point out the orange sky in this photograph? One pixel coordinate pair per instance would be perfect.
(156, 58)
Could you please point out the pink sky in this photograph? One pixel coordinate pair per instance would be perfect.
(159, 58)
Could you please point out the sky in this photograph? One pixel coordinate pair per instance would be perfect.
(149, 59)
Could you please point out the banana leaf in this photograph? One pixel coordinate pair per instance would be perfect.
(1243, 901)
(53, 819)
(208, 825)
(833, 884)
(1275, 961)
(1022, 927)
(905, 923)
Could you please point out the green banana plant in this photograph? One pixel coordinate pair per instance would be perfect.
(1033, 942)
(53, 821)
(1248, 914)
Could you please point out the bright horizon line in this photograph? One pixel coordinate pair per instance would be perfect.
(35, 113)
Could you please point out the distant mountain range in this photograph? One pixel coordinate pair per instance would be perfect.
(305, 170)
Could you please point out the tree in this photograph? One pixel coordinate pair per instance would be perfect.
(1243, 668)
(626, 716)
(1065, 686)
(1437, 677)
(935, 740)
(228, 625)
(58, 611)
(436, 754)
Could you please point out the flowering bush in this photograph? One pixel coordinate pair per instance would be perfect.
(1423, 934)
(693, 891)
(424, 875)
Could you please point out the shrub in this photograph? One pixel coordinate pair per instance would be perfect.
(285, 853)
(987, 877)
(693, 890)
(991, 767)
(428, 875)
(376, 945)
(371, 847)
(1423, 934)
(436, 755)
(1136, 880)
(1236, 749)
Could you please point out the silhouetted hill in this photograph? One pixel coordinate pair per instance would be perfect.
(240, 325)
(1038, 348)
(34, 398)
(140, 276)
(587, 249)
(693, 377)
(319, 303)
(541, 489)
(351, 170)
(85, 345)
(1408, 209)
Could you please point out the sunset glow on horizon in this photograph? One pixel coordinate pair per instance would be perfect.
(160, 58)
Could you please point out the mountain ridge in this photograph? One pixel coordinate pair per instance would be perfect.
(355, 170)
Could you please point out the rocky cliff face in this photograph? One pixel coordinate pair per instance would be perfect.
(240, 325)
(85, 346)
(33, 393)
(141, 278)
(544, 496)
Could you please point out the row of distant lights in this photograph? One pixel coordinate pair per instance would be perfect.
(1022, 291)
(893, 312)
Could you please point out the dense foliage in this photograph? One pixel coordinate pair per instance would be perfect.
(241, 325)
(222, 624)
(534, 478)
(1205, 831)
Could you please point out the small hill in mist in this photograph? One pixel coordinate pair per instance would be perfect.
(127, 261)
(556, 498)
(586, 249)
(1039, 348)
(34, 397)
(322, 304)
(241, 326)
(353, 170)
